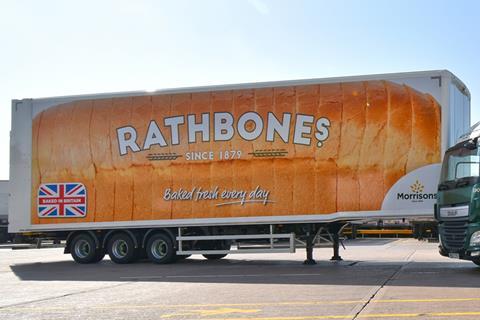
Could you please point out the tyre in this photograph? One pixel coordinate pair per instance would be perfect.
(477, 262)
(216, 245)
(214, 256)
(83, 249)
(160, 249)
(121, 249)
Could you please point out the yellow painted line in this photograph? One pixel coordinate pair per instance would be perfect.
(378, 315)
(425, 300)
(290, 318)
(260, 304)
(453, 314)
(211, 312)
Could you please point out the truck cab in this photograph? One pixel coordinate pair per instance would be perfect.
(458, 200)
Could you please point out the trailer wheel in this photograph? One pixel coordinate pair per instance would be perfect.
(214, 256)
(83, 249)
(216, 245)
(160, 249)
(121, 249)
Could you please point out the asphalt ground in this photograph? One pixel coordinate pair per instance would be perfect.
(378, 279)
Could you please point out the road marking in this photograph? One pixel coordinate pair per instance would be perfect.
(425, 300)
(290, 318)
(378, 315)
(207, 313)
(224, 276)
(253, 304)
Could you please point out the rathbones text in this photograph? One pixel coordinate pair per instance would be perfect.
(249, 126)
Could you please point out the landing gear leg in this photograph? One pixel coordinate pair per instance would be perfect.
(309, 249)
(334, 230)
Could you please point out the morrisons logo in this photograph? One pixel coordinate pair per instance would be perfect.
(416, 194)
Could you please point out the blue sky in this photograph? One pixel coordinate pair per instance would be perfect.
(51, 48)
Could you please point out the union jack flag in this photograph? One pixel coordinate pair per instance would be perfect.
(62, 200)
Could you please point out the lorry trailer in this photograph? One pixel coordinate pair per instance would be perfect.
(263, 166)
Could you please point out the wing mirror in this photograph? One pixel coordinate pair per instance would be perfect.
(471, 144)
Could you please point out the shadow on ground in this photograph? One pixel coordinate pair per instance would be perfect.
(355, 273)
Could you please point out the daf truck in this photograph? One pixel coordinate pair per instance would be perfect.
(458, 205)
(228, 169)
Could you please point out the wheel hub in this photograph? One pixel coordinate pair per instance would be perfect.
(120, 248)
(82, 249)
(159, 249)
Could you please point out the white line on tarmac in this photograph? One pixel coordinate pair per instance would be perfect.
(226, 276)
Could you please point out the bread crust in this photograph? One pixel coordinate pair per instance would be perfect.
(371, 165)
(351, 137)
(377, 132)
(399, 134)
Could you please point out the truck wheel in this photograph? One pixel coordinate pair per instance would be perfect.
(121, 249)
(160, 249)
(83, 249)
(214, 256)
(217, 245)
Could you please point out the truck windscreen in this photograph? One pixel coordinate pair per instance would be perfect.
(460, 163)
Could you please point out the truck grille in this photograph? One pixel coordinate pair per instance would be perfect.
(454, 234)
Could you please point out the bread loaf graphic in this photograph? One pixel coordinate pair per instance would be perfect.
(311, 149)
